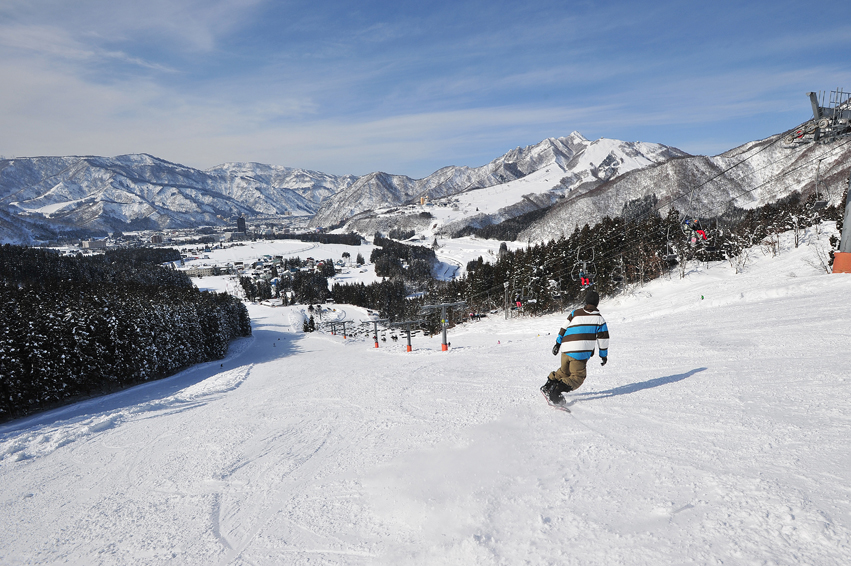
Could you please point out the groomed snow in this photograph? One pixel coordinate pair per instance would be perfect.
(718, 433)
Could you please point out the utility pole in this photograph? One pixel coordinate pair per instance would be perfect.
(505, 284)
(842, 258)
(831, 121)
(407, 326)
(443, 306)
(375, 329)
(334, 327)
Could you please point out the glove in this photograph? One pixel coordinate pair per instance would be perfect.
(556, 348)
(603, 361)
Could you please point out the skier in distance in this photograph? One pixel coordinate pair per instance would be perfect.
(584, 329)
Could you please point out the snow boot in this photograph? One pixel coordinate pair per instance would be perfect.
(556, 390)
(552, 390)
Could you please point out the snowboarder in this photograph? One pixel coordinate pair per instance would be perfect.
(585, 328)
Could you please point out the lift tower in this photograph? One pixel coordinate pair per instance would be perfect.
(831, 122)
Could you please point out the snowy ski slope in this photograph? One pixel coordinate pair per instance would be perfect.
(719, 433)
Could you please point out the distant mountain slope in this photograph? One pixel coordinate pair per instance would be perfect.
(574, 160)
(768, 171)
(542, 175)
(583, 181)
(46, 196)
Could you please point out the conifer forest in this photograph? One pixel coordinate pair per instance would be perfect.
(74, 326)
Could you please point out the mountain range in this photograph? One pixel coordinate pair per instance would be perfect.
(574, 179)
(749, 176)
(48, 197)
(580, 163)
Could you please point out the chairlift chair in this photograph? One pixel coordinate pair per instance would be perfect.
(711, 243)
(670, 249)
(693, 230)
(584, 271)
(617, 272)
(526, 295)
(819, 203)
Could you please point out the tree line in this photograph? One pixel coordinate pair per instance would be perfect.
(350, 239)
(79, 326)
(634, 248)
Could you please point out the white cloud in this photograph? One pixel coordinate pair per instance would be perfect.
(190, 24)
(396, 94)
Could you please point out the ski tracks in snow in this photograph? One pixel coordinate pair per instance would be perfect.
(40, 440)
(711, 436)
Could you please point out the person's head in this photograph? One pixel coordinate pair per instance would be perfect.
(592, 298)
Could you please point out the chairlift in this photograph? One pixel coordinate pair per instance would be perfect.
(691, 226)
(712, 243)
(527, 295)
(670, 250)
(557, 288)
(617, 273)
(693, 230)
(584, 271)
(819, 203)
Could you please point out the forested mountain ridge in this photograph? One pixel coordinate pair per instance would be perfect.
(749, 176)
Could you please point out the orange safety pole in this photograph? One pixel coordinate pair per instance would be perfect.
(842, 262)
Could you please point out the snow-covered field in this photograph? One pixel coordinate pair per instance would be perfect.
(718, 433)
(452, 255)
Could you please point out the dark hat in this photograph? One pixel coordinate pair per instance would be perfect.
(592, 298)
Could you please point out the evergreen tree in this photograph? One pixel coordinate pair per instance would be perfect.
(73, 326)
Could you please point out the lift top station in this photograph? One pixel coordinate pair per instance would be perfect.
(831, 122)
(831, 119)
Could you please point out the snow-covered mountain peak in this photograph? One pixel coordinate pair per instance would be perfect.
(44, 197)
(522, 180)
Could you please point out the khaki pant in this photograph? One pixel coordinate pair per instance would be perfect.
(572, 372)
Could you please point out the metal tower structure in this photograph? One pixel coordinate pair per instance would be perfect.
(831, 119)
(831, 122)
(444, 345)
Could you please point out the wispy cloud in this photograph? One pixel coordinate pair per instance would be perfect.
(57, 44)
(407, 88)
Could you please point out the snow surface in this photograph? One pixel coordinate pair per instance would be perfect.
(491, 200)
(718, 433)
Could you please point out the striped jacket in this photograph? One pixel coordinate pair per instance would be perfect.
(584, 328)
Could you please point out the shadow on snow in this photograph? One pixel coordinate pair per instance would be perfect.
(266, 343)
(635, 387)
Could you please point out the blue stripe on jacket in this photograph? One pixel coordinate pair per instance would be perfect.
(583, 329)
(579, 355)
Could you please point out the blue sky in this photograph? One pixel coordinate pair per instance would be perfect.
(404, 87)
